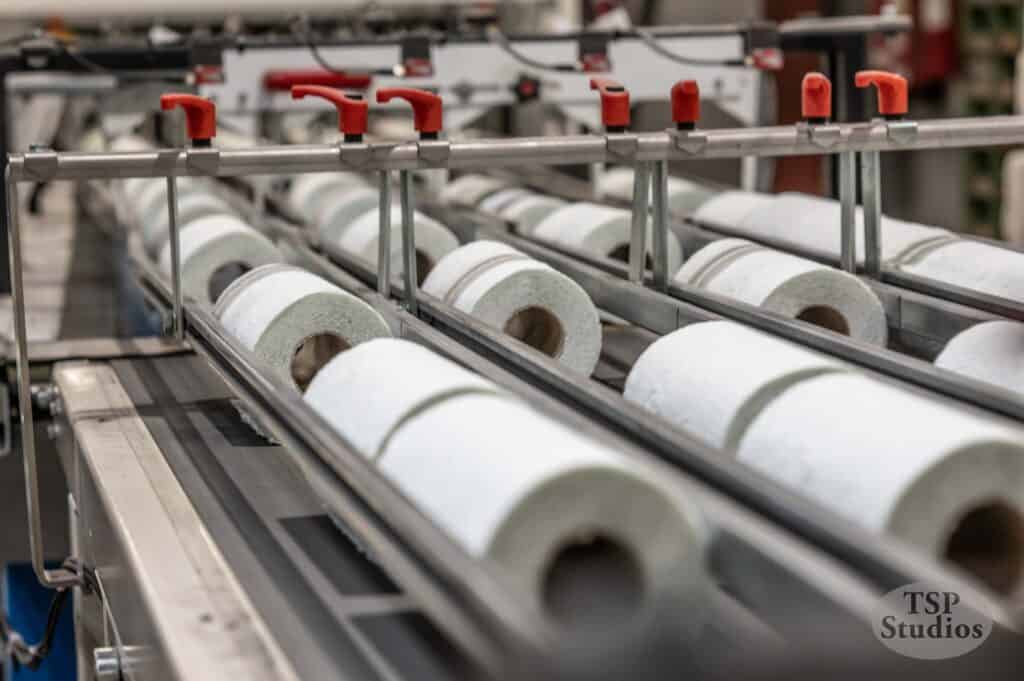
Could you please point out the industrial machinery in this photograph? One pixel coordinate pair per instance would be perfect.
(223, 526)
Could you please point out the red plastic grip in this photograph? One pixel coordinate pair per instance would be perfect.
(816, 96)
(283, 80)
(686, 102)
(892, 90)
(352, 113)
(614, 102)
(427, 107)
(200, 114)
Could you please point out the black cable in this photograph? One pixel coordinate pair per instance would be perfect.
(505, 44)
(303, 32)
(655, 46)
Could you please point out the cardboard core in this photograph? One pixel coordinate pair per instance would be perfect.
(621, 253)
(595, 584)
(825, 317)
(988, 542)
(223, 276)
(312, 354)
(538, 328)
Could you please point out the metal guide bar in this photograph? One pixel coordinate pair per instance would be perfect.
(499, 152)
(877, 559)
(466, 600)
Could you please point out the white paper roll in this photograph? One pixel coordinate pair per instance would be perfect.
(900, 463)
(215, 250)
(713, 378)
(362, 238)
(527, 299)
(309, 191)
(526, 212)
(1012, 219)
(501, 198)
(599, 230)
(729, 209)
(991, 351)
(149, 199)
(550, 507)
(684, 196)
(295, 321)
(469, 190)
(190, 207)
(338, 211)
(359, 401)
(973, 265)
(788, 285)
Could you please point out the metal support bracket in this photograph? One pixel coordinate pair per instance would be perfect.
(354, 155)
(848, 208)
(688, 141)
(435, 152)
(205, 161)
(871, 191)
(408, 240)
(638, 228)
(384, 237)
(901, 132)
(623, 146)
(824, 136)
(659, 245)
(41, 164)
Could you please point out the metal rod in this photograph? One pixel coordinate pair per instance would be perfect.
(871, 189)
(408, 240)
(848, 211)
(53, 579)
(503, 152)
(659, 247)
(638, 233)
(384, 238)
(175, 240)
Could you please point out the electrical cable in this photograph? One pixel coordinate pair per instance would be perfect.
(302, 32)
(505, 44)
(655, 46)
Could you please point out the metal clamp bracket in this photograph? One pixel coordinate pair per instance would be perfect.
(624, 146)
(354, 155)
(41, 164)
(824, 136)
(435, 152)
(901, 132)
(204, 160)
(688, 141)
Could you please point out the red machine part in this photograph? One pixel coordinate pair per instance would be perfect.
(686, 104)
(353, 114)
(816, 97)
(614, 103)
(284, 80)
(200, 115)
(426, 106)
(892, 91)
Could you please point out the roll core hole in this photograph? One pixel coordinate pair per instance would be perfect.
(312, 354)
(223, 276)
(593, 584)
(621, 253)
(538, 328)
(988, 542)
(825, 317)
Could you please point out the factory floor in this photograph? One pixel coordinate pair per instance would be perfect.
(70, 275)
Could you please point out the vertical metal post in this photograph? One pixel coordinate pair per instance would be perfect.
(172, 226)
(5, 134)
(384, 238)
(871, 187)
(848, 211)
(638, 233)
(659, 245)
(54, 579)
(408, 240)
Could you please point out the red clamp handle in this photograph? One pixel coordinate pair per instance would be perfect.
(200, 115)
(352, 113)
(427, 107)
(614, 103)
(816, 97)
(686, 104)
(892, 91)
(284, 80)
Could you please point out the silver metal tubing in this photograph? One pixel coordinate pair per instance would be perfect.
(871, 189)
(848, 217)
(408, 240)
(384, 238)
(175, 240)
(501, 152)
(638, 232)
(659, 247)
(53, 579)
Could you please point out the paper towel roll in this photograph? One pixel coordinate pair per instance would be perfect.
(295, 321)
(713, 378)
(526, 212)
(788, 285)
(308, 192)
(935, 475)
(501, 198)
(547, 506)
(813, 223)
(470, 190)
(190, 207)
(149, 200)
(599, 230)
(360, 401)
(991, 351)
(684, 196)
(361, 239)
(216, 250)
(973, 265)
(340, 210)
(728, 209)
(527, 299)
